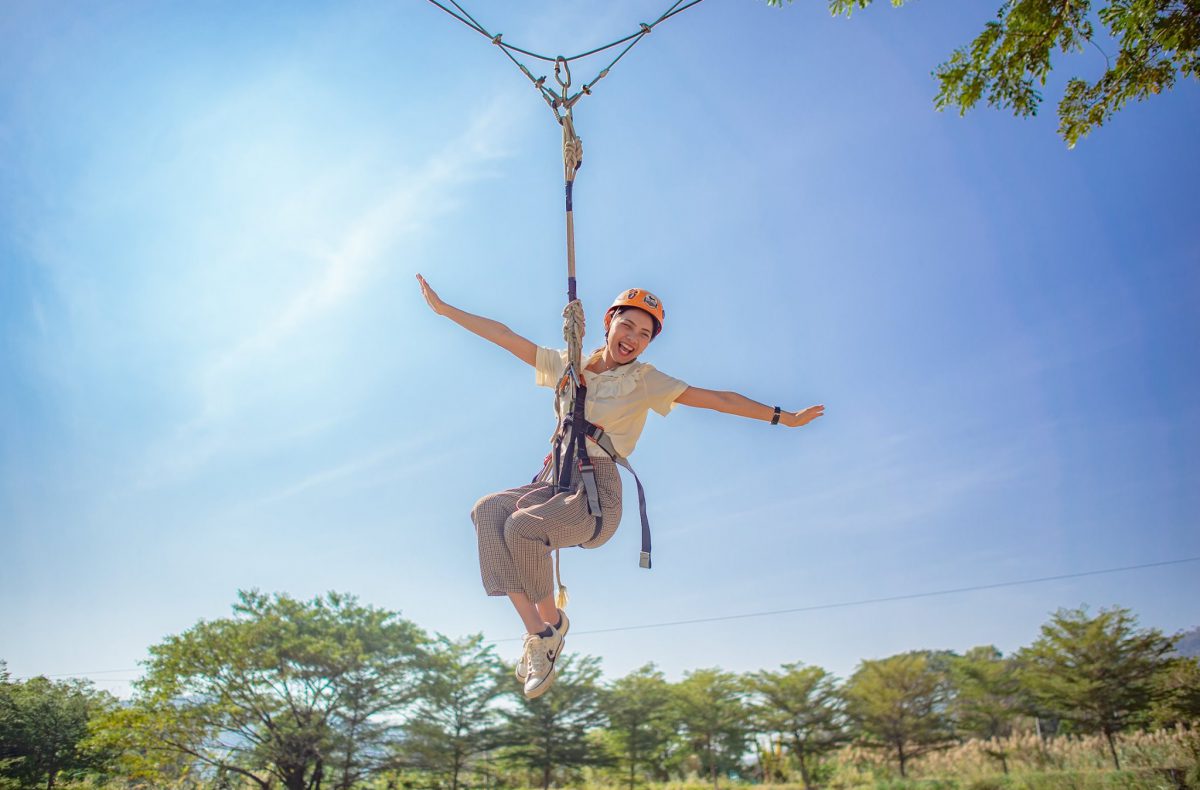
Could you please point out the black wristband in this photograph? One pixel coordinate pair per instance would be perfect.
(775, 417)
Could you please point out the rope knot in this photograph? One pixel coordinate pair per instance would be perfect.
(496, 38)
(573, 327)
(645, 28)
(572, 148)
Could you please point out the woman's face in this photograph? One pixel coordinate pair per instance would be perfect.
(629, 333)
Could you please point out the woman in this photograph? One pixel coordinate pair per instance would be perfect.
(518, 528)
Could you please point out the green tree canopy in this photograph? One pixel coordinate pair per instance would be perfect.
(1007, 64)
(454, 720)
(641, 725)
(1176, 693)
(712, 712)
(284, 690)
(43, 729)
(802, 704)
(900, 704)
(987, 697)
(550, 734)
(1096, 672)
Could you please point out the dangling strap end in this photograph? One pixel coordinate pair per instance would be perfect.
(644, 560)
(560, 598)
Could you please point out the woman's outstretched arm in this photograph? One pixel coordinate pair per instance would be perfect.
(486, 328)
(733, 403)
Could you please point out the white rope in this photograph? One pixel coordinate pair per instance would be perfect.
(573, 334)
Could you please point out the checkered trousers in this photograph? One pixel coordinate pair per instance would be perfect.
(519, 528)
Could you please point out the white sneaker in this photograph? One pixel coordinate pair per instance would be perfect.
(540, 652)
(523, 662)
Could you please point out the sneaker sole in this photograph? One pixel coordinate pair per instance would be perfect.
(542, 689)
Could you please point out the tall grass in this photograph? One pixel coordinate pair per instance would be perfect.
(981, 765)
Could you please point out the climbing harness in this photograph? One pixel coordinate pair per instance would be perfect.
(569, 452)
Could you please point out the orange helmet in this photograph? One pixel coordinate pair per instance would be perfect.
(642, 300)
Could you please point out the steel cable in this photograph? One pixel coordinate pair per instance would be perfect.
(466, 19)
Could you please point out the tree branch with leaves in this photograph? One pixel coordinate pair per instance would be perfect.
(1008, 63)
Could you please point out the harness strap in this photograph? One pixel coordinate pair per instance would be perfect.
(588, 474)
(597, 435)
(644, 556)
(557, 469)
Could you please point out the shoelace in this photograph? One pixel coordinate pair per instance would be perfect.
(535, 649)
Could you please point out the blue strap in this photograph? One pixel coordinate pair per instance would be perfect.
(644, 557)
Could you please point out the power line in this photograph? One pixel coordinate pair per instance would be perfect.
(813, 607)
(881, 599)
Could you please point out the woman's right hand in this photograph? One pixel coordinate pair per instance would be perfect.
(435, 301)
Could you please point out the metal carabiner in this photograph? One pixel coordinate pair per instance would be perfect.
(561, 63)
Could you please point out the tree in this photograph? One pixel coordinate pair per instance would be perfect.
(801, 704)
(987, 697)
(641, 726)
(43, 726)
(712, 712)
(1157, 41)
(900, 704)
(1095, 672)
(551, 731)
(455, 719)
(284, 690)
(1176, 693)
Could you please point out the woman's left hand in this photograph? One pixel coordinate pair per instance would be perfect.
(794, 419)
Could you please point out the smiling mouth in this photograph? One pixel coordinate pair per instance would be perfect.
(624, 348)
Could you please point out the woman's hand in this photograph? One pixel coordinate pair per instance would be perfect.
(435, 301)
(794, 419)
(486, 328)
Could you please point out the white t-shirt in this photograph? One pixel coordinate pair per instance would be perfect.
(617, 400)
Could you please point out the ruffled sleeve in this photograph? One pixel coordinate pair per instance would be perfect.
(549, 366)
(660, 390)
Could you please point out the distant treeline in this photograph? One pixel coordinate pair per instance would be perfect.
(330, 693)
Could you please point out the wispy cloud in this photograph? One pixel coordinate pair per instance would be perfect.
(358, 470)
(346, 271)
(401, 214)
(898, 485)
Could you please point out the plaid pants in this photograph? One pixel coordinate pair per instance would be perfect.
(519, 528)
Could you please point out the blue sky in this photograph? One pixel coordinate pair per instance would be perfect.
(217, 373)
